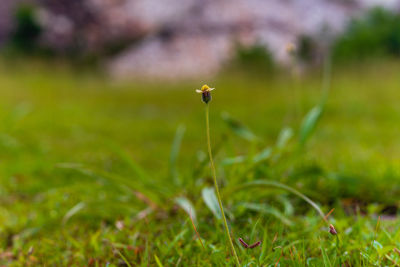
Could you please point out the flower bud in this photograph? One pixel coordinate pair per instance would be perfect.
(332, 230)
(290, 49)
(205, 93)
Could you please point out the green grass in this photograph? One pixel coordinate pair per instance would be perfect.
(96, 172)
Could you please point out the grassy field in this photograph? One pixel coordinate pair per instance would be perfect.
(100, 173)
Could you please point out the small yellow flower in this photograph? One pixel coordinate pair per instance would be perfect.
(205, 93)
(205, 88)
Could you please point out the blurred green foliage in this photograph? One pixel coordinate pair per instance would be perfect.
(254, 58)
(307, 48)
(375, 34)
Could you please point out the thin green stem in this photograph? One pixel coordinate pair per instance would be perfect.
(214, 173)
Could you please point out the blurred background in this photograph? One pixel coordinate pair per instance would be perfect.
(149, 39)
(102, 142)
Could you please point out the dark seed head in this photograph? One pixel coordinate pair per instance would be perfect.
(206, 96)
(244, 244)
(255, 244)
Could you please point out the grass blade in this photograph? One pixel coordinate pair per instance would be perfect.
(211, 201)
(123, 257)
(136, 186)
(238, 128)
(325, 258)
(74, 210)
(128, 160)
(309, 123)
(283, 138)
(261, 183)
(176, 146)
(263, 155)
(233, 160)
(159, 264)
(262, 208)
(187, 206)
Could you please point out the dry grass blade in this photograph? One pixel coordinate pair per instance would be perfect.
(327, 215)
(194, 227)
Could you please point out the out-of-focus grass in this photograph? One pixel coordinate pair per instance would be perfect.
(86, 173)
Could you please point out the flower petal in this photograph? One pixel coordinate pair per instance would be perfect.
(199, 91)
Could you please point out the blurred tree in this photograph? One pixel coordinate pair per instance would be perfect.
(27, 30)
(376, 34)
(256, 57)
(307, 48)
